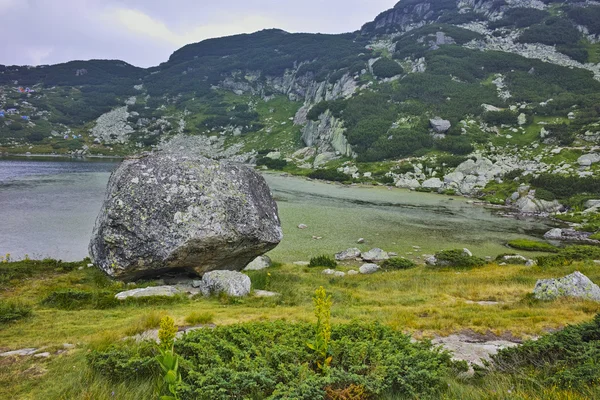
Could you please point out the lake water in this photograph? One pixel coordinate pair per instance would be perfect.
(48, 208)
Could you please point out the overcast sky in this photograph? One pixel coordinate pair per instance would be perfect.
(146, 32)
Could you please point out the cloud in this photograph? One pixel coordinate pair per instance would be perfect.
(139, 23)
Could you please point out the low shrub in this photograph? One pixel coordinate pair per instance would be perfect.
(11, 311)
(398, 263)
(271, 164)
(568, 255)
(386, 68)
(457, 258)
(216, 364)
(567, 359)
(511, 258)
(532, 245)
(197, 318)
(322, 261)
(331, 174)
(11, 272)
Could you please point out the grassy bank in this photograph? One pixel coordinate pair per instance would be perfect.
(423, 301)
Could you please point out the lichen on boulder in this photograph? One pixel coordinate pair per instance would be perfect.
(179, 211)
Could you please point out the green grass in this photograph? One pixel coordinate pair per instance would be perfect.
(423, 301)
(532, 245)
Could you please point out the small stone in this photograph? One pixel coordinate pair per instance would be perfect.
(554, 234)
(467, 252)
(375, 254)
(328, 272)
(339, 274)
(360, 241)
(348, 254)
(259, 263)
(530, 263)
(302, 226)
(368, 268)
(353, 272)
(42, 355)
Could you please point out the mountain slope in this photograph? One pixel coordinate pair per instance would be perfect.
(436, 80)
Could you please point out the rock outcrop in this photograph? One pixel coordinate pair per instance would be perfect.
(574, 285)
(327, 135)
(179, 211)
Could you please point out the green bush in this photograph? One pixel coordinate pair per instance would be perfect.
(398, 263)
(121, 362)
(532, 245)
(322, 261)
(271, 164)
(569, 359)
(386, 68)
(330, 174)
(505, 117)
(568, 255)
(11, 311)
(544, 194)
(457, 258)
(553, 31)
(216, 363)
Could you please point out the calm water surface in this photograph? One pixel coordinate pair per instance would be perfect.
(48, 209)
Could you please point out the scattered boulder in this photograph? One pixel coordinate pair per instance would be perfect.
(302, 226)
(430, 259)
(349, 254)
(260, 262)
(574, 285)
(274, 155)
(368, 268)
(588, 159)
(592, 203)
(168, 291)
(328, 272)
(529, 204)
(339, 274)
(432, 183)
(301, 263)
(467, 252)
(353, 272)
(360, 241)
(407, 183)
(440, 125)
(375, 255)
(232, 283)
(554, 234)
(180, 211)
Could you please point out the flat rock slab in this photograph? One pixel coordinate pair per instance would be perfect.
(349, 254)
(19, 353)
(168, 291)
(375, 255)
(265, 293)
(232, 283)
(472, 350)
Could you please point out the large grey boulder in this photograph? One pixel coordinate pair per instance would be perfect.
(554, 234)
(349, 254)
(232, 283)
(167, 212)
(433, 183)
(574, 285)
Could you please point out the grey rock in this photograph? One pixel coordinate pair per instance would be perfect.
(554, 234)
(21, 352)
(352, 272)
(260, 262)
(339, 274)
(588, 159)
(467, 252)
(368, 268)
(302, 226)
(179, 211)
(323, 159)
(375, 254)
(301, 263)
(530, 263)
(274, 155)
(360, 241)
(440, 125)
(349, 254)
(42, 355)
(433, 183)
(574, 285)
(168, 291)
(407, 183)
(430, 259)
(592, 203)
(232, 283)
(328, 272)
